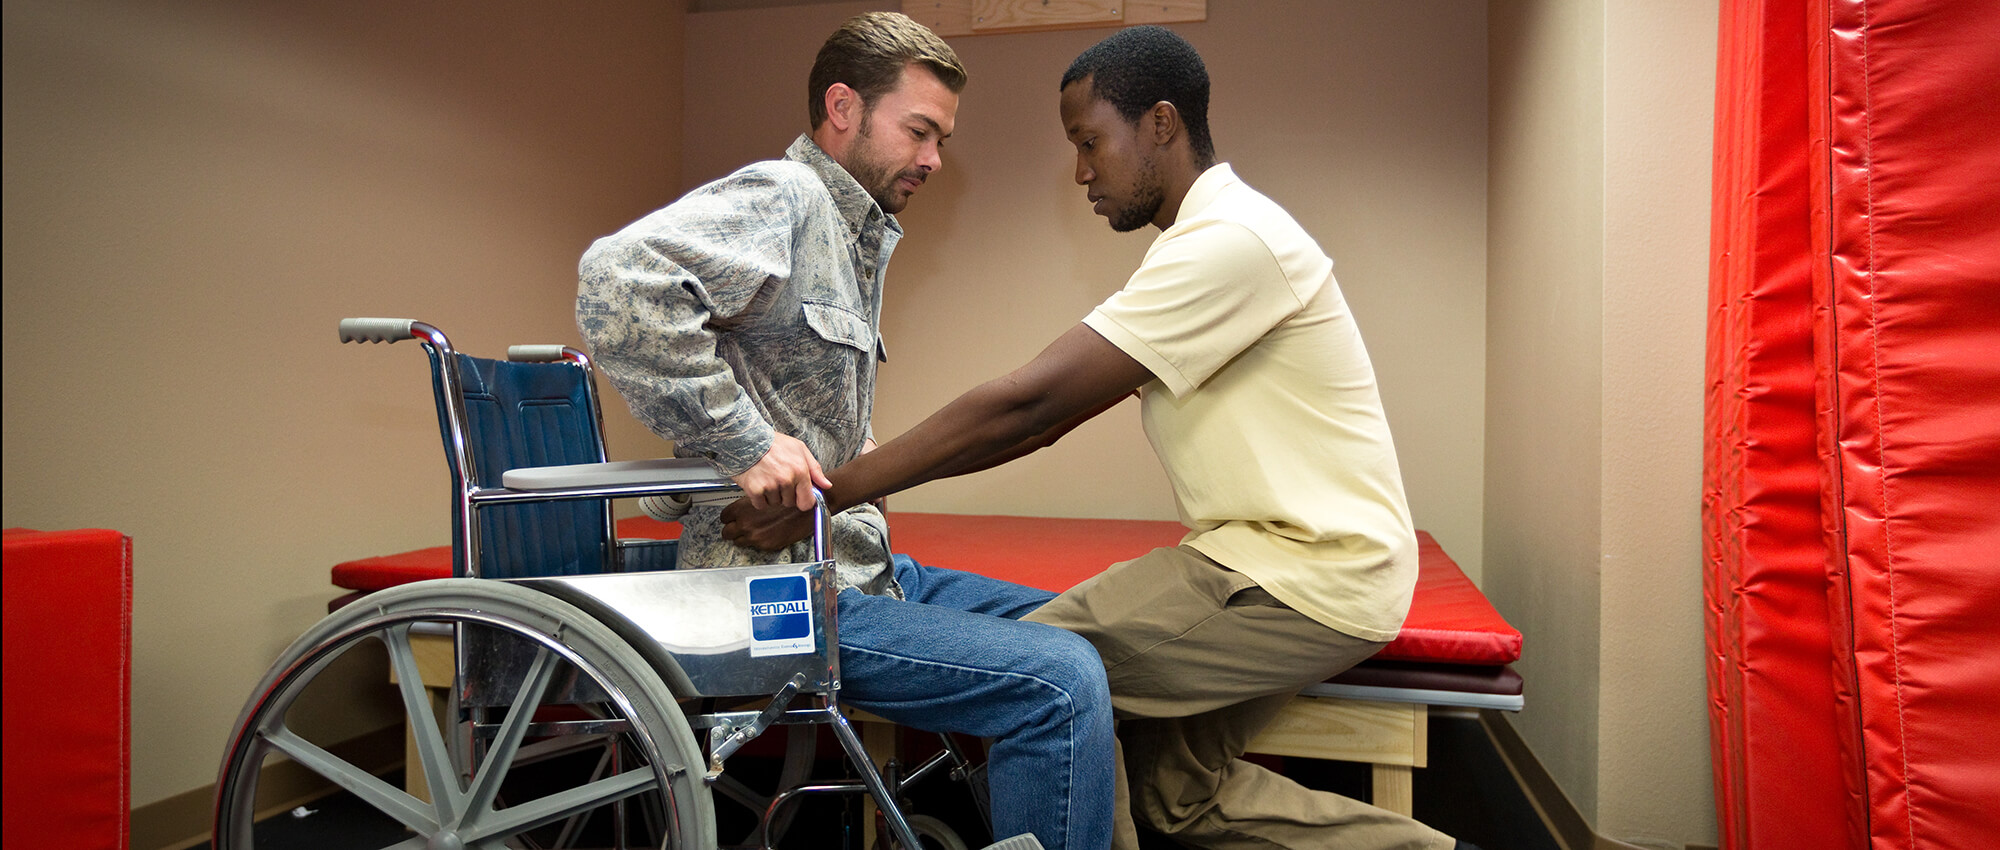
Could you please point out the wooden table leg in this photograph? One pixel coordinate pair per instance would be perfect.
(1390, 737)
(879, 738)
(1392, 788)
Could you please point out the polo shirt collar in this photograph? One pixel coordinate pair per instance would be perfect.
(1205, 189)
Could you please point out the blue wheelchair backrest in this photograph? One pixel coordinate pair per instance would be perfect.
(525, 414)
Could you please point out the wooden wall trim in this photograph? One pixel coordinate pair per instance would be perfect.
(951, 18)
(1571, 829)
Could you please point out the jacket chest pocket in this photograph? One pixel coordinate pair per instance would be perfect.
(839, 325)
(830, 377)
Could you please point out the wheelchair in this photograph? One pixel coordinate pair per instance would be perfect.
(581, 667)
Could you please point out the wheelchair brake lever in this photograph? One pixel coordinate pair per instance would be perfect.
(724, 740)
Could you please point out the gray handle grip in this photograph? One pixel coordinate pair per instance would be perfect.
(535, 353)
(375, 330)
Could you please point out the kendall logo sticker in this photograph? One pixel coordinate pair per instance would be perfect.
(780, 616)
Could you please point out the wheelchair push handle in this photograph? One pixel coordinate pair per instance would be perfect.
(385, 330)
(375, 330)
(540, 353)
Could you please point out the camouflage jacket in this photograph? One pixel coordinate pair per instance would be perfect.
(752, 306)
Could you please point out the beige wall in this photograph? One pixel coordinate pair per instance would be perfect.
(1529, 282)
(1596, 298)
(195, 193)
(1366, 120)
(1544, 372)
(1653, 768)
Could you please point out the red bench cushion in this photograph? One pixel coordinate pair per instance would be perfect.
(1450, 620)
(385, 571)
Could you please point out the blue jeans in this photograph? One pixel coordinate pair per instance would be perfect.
(952, 657)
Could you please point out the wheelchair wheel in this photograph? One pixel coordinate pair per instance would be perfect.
(639, 784)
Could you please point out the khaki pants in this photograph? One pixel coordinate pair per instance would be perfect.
(1200, 659)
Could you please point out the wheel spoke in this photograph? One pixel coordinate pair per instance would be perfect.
(500, 756)
(446, 797)
(552, 747)
(577, 821)
(386, 798)
(562, 804)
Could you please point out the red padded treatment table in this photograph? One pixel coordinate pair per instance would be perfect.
(1450, 622)
(68, 647)
(1453, 650)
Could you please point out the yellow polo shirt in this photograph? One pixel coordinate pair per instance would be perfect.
(1264, 409)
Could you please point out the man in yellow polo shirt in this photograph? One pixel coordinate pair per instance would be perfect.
(1259, 398)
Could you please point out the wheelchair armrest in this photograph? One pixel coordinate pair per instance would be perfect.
(632, 478)
(678, 475)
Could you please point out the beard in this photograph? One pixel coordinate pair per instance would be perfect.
(1147, 198)
(877, 174)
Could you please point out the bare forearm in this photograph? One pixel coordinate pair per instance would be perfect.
(993, 423)
(1033, 444)
(1077, 377)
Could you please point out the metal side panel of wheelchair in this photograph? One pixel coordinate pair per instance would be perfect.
(586, 678)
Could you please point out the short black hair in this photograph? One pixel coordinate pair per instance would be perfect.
(1138, 67)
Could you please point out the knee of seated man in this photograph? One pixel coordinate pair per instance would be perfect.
(1072, 664)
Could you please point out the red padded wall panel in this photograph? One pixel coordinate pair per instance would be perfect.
(1909, 363)
(1890, 302)
(1770, 659)
(67, 621)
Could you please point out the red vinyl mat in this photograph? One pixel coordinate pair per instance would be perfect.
(1852, 504)
(1450, 620)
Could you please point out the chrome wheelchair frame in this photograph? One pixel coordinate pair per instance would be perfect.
(624, 663)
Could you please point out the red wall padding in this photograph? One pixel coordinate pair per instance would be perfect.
(1852, 504)
(67, 623)
(1909, 269)
(1770, 658)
